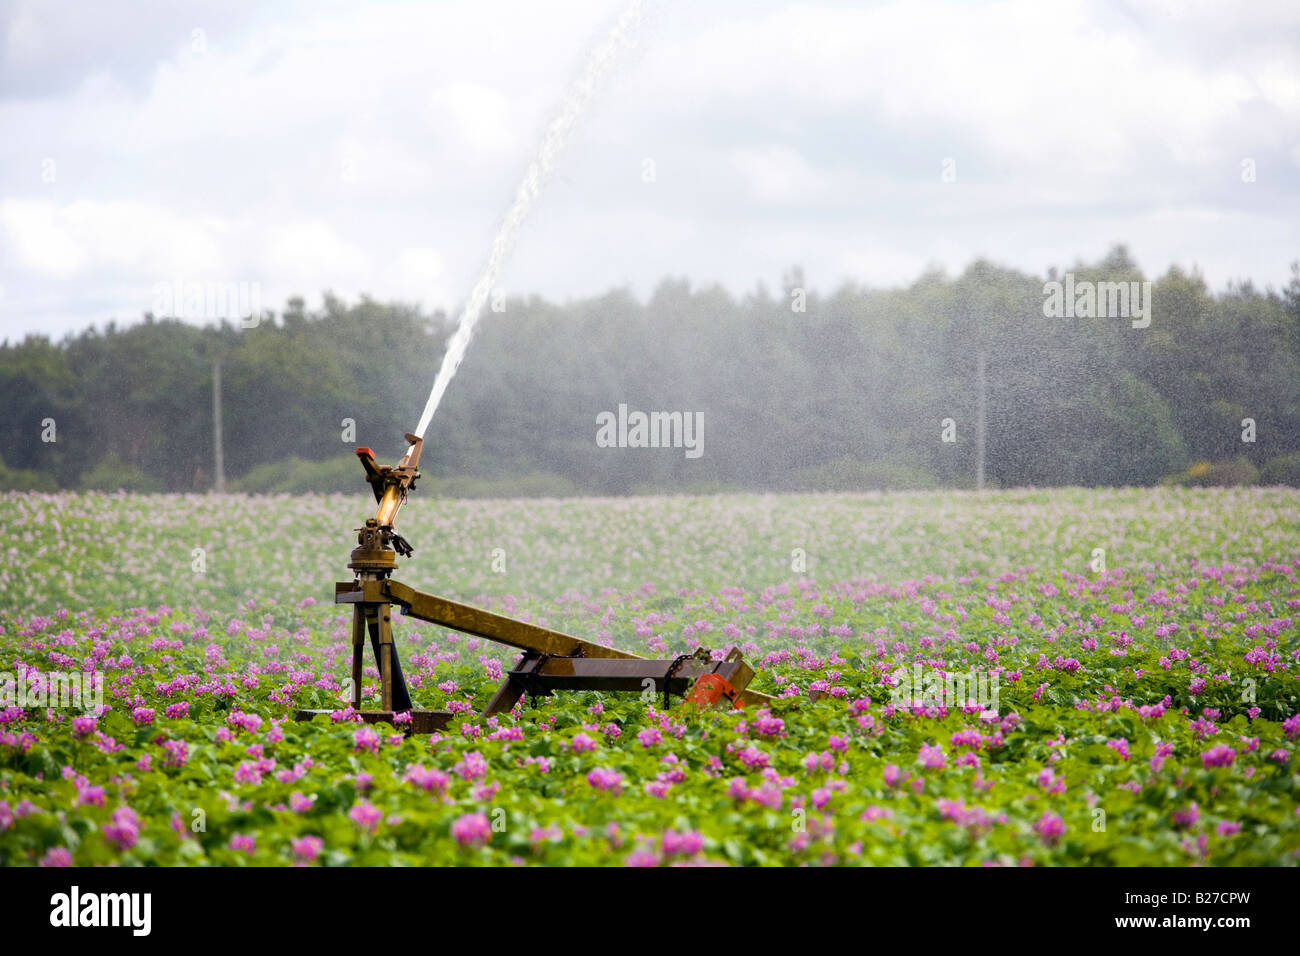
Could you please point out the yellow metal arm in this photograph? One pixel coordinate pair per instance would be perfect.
(466, 619)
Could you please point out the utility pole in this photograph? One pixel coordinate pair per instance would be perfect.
(981, 388)
(218, 453)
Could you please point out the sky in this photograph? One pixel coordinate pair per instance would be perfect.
(374, 147)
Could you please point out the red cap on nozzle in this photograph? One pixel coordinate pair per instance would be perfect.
(363, 451)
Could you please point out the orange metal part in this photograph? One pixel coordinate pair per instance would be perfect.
(709, 689)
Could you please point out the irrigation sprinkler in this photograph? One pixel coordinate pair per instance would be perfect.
(552, 660)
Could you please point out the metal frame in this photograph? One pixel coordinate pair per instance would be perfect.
(552, 661)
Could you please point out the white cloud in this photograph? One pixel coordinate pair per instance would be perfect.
(62, 240)
(779, 175)
(23, 42)
(38, 240)
(476, 117)
(374, 147)
(304, 251)
(417, 276)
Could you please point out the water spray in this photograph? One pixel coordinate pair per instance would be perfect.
(557, 134)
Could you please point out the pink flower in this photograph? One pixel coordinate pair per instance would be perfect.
(124, 828)
(932, 757)
(366, 739)
(366, 815)
(551, 834)
(1050, 828)
(608, 780)
(1219, 756)
(301, 803)
(650, 736)
(583, 743)
(249, 722)
(57, 856)
(307, 848)
(178, 752)
(1048, 780)
(347, 714)
(474, 765)
(765, 725)
(1186, 818)
(248, 773)
(434, 781)
(83, 726)
(682, 844)
(473, 829)
(143, 716)
(242, 842)
(1292, 726)
(891, 775)
(819, 761)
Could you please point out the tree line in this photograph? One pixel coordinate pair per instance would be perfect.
(792, 390)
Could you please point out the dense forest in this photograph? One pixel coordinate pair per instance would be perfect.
(863, 388)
